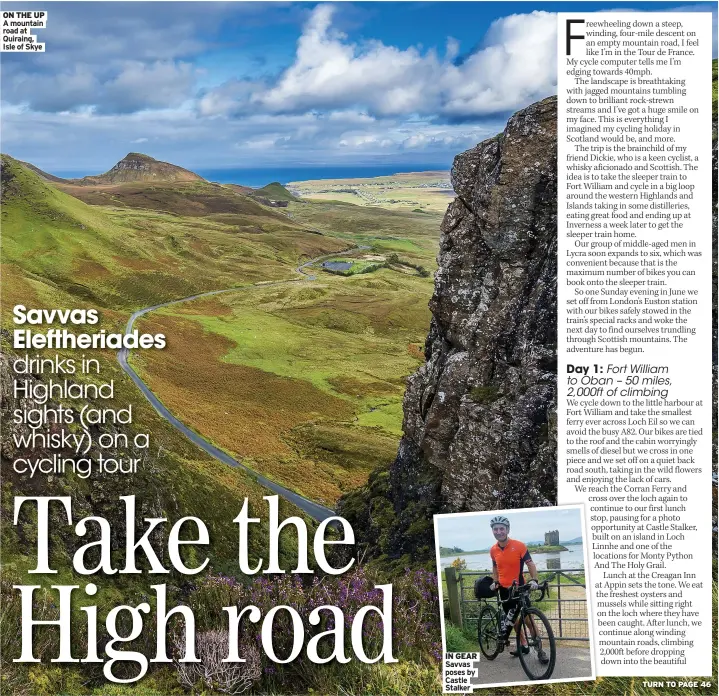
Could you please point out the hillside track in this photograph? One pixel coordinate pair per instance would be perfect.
(314, 510)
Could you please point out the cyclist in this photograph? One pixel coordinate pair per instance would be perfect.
(509, 558)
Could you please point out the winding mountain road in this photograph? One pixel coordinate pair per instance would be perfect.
(314, 510)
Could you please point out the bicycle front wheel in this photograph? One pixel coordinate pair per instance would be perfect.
(536, 633)
(488, 632)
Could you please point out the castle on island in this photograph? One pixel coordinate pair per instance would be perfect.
(551, 538)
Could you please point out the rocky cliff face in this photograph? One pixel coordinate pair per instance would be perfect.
(479, 416)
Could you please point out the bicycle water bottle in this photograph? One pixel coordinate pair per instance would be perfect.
(509, 619)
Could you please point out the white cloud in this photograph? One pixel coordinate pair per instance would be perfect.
(225, 99)
(329, 72)
(127, 87)
(62, 91)
(360, 141)
(339, 100)
(137, 86)
(515, 66)
(87, 142)
(348, 115)
(115, 57)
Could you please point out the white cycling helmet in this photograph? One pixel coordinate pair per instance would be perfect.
(499, 520)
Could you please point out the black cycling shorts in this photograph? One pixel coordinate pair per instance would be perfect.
(508, 604)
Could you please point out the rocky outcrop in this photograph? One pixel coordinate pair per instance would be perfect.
(479, 415)
(136, 167)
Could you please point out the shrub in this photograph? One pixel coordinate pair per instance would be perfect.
(459, 564)
(130, 690)
(401, 679)
(17, 678)
(211, 672)
(415, 630)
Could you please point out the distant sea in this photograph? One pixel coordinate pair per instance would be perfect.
(572, 558)
(260, 177)
(257, 178)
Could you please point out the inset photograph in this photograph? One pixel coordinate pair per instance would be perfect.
(513, 587)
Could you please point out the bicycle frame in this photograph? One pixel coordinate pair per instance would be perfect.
(532, 639)
(521, 617)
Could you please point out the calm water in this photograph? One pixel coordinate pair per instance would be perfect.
(337, 265)
(261, 177)
(573, 558)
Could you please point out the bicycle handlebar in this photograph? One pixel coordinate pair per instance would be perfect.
(520, 589)
(543, 586)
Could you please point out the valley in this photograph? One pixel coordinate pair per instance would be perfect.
(299, 377)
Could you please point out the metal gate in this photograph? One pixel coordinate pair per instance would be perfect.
(566, 608)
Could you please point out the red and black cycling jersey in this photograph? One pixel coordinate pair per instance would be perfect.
(509, 561)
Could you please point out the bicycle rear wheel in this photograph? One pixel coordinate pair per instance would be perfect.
(539, 662)
(488, 632)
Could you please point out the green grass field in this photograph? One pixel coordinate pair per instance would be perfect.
(303, 380)
(320, 367)
(427, 192)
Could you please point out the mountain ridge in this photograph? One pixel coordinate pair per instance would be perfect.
(137, 167)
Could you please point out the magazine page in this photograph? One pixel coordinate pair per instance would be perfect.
(358, 348)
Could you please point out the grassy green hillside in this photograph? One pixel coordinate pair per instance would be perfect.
(180, 199)
(310, 375)
(412, 235)
(305, 380)
(56, 247)
(275, 192)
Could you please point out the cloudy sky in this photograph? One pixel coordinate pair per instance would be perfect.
(252, 85)
(472, 532)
